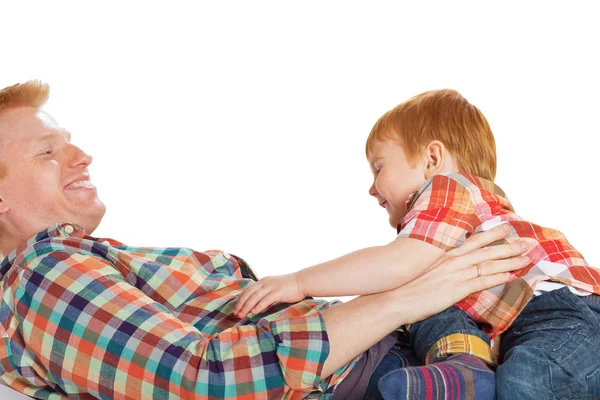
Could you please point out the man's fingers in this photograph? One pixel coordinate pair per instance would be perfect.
(500, 252)
(493, 253)
(486, 282)
(506, 265)
(481, 239)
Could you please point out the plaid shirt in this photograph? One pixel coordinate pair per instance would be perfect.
(86, 317)
(449, 208)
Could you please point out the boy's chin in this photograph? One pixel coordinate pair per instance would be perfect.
(395, 222)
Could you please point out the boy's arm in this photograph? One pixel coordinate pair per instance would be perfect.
(369, 270)
(442, 216)
(366, 271)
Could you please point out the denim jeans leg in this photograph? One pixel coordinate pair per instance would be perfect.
(426, 333)
(398, 357)
(552, 350)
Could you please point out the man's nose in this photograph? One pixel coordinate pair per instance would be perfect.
(78, 158)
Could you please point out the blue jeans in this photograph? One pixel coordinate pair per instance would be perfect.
(422, 336)
(552, 350)
(398, 357)
(426, 333)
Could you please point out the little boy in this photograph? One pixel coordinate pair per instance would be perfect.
(433, 159)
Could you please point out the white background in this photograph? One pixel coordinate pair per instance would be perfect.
(241, 125)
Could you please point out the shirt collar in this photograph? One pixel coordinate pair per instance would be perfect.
(64, 230)
(479, 182)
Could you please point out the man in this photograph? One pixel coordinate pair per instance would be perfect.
(88, 317)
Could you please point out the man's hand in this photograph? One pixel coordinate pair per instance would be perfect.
(267, 291)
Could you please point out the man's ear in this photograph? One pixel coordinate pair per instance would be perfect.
(434, 154)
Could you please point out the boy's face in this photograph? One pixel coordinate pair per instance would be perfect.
(393, 178)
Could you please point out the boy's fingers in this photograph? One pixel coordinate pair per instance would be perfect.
(255, 298)
(264, 303)
(244, 296)
(244, 303)
(251, 302)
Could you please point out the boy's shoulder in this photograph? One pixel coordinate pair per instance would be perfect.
(463, 180)
(454, 184)
(445, 183)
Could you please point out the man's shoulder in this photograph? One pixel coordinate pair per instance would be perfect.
(57, 249)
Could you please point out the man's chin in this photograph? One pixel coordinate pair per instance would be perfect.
(91, 222)
(96, 223)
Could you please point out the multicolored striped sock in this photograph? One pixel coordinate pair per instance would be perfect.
(458, 377)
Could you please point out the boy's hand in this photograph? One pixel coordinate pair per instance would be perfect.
(267, 291)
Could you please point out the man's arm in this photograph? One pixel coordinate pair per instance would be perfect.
(360, 323)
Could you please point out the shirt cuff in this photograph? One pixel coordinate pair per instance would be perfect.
(302, 348)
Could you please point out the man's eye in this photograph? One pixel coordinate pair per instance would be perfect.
(47, 152)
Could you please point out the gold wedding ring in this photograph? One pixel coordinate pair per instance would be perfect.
(478, 270)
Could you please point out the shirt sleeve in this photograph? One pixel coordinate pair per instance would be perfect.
(85, 329)
(441, 213)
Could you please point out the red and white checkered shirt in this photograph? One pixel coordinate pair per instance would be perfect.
(449, 208)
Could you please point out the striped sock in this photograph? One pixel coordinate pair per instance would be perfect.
(458, 377)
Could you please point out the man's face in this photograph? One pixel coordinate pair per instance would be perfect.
(394, 179)
(44, 178)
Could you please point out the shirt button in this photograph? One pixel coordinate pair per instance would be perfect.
(106, 242)
(69, 229)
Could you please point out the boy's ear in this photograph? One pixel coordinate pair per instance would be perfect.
(3, 205)
(434, 158)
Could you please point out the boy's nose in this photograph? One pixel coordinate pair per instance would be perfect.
(372, 190)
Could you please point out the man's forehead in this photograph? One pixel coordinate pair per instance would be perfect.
(30, 124)
(52, 125)
(47, 120)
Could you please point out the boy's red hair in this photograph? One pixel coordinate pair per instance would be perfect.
(443, 115)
